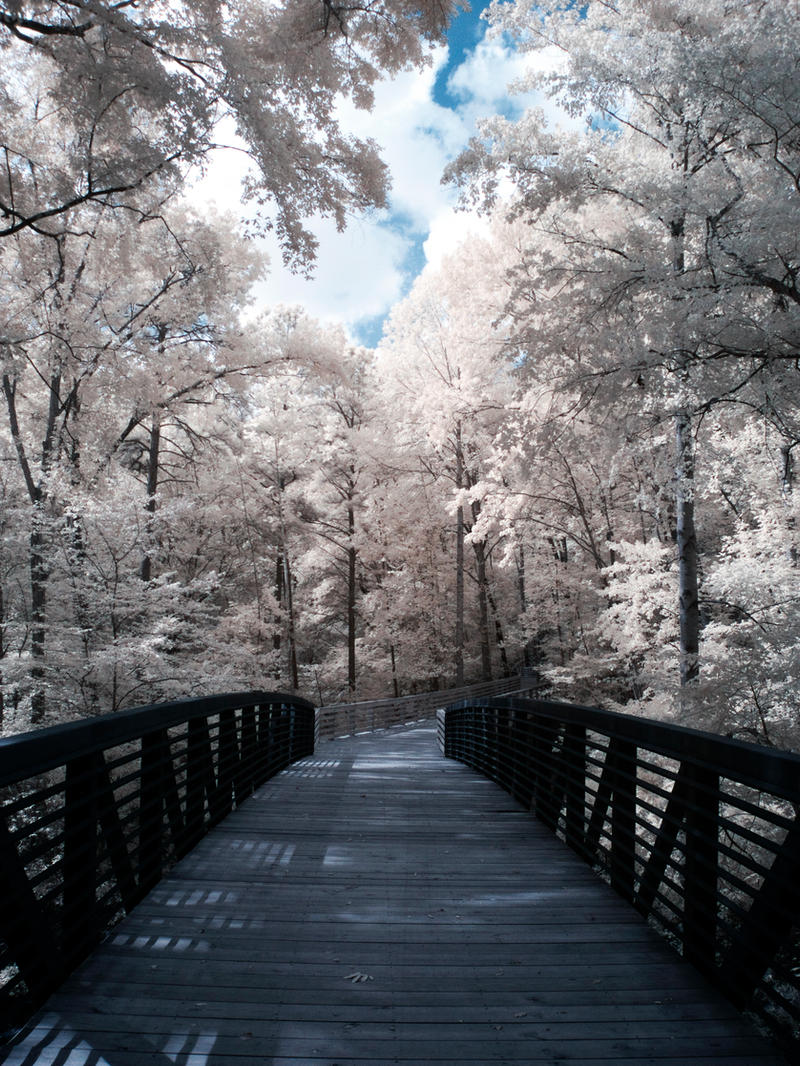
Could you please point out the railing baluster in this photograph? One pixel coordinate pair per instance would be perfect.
(600, 806)
(24, 925)
(574, 761)
(623, 817)
(228, 761)
(112, 834)
(542, 771)
(79, 926)
(666, 837)
(155, 755)
(700, 887)
(769, 922)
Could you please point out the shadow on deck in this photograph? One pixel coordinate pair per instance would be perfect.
(378, 903)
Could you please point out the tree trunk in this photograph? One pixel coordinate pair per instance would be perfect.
(276, 639)
(523, 602)
(459, 639)
(287, 583)
(787, 488)
(146, 569)
(2, 657)
(351, 602)
(498, 634)
(483, 611)
(688, 596)
(395, 683)
(688, 584)
(39, 575)
(38, 569)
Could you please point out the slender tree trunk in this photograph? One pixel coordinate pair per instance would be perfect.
(38, 577)
(276, 640)
(351, 602)
(688, 594)
(146, 569)
(395, 682)
(78, 563)
(2, 656)
(688, 583)
(287, 582)
(498, 634)
(37, 563)
(483, 611)
(283, 578)
(279, 572)
(459, 639)
(787, 489)
(523, 602)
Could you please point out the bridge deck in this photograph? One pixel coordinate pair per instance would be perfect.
(379, 904)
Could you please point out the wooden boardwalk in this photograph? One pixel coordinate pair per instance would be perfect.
(379, 904)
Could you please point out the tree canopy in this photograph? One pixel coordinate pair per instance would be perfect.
(100, 100)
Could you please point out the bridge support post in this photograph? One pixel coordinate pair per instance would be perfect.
(700, 880)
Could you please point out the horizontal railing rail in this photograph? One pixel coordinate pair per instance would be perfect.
(368, 716)
(699, 833)
(93, 812)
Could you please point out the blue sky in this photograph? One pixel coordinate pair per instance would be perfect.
(466, 31)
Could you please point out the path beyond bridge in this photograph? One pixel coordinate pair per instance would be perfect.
(378, 903)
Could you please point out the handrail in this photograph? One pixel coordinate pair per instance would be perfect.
(93, 812)
(701, 834)
(367, 716)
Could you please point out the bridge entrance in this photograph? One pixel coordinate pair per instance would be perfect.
(378, 903)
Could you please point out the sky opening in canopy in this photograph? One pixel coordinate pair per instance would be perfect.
(422, 120)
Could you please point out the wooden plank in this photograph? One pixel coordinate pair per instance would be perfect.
(377, 904)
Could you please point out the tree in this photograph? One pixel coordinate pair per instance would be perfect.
(91, 355)
(665, 254)
(101, 99)
(444, 363)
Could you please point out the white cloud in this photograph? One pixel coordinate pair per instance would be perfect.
(358, 273)
(447, 231)
(482, 80)
(417, 137)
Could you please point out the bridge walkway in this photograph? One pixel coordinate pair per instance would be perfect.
(377, 903)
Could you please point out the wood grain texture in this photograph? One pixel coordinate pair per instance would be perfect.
(379, 904)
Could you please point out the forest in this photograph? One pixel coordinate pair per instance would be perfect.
(573, 450)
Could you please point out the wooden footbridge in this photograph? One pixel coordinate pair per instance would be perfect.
(375, 899)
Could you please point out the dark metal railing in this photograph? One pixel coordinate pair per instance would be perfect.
(699, 833)
(93, 812)
(348, 719)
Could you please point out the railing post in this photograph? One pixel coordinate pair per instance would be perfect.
(199, 778)
(545, 806)
(24, 926)
(522, 784)
(253, 740)
(79, 924)
(113, 835)
(768, 923)
(536, 754)
(700, 868)
(228, 762)
(155, 753)
(574, 761)
(623, 816)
